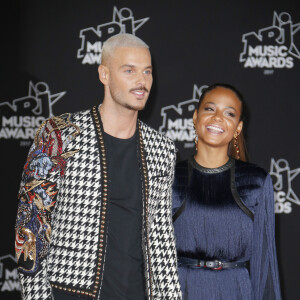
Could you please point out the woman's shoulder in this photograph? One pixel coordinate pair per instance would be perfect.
(182, 164)
(181, 173)
(250, 172)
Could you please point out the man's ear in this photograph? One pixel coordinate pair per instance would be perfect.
(103, 74)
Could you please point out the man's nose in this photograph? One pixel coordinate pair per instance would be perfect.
(141, 79)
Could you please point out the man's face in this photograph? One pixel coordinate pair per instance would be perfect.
(130, 77)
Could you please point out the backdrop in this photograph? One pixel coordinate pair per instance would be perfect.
(50, 53)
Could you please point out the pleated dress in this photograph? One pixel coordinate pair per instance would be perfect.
(228, 215)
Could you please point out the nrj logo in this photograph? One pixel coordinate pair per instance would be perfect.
(9, 281)
(92, 39)
(21, 117)
(177, 121)
(272, 47)
(282, 177)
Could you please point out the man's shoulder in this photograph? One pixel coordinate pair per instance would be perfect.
(152, 135)
(76, 118)
(64, 126)
(68, 117)
(79, 114)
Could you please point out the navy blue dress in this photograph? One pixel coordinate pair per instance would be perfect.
(229, 216)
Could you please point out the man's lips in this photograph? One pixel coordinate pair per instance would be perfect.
(139, 92)
(215, 129)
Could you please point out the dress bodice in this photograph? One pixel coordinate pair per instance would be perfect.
(212, 226)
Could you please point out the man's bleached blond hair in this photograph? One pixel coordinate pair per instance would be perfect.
(122, 40)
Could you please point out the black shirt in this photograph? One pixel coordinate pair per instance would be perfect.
(123, 270)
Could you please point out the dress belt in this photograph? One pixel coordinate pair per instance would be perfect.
(210, 264)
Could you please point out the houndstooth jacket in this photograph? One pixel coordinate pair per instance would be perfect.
(61, 224)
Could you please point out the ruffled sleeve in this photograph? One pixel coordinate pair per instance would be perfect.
(263, 264)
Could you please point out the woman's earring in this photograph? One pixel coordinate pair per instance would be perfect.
(236, 146)
(196, 138)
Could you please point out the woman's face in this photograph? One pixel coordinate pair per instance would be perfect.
(217, 120)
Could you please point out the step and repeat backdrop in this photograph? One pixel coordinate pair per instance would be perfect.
(50, 54)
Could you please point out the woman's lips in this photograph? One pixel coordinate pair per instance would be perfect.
(215, 129)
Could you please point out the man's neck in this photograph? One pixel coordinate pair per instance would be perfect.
(118, 121)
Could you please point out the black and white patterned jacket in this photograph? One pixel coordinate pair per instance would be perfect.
(61, 222)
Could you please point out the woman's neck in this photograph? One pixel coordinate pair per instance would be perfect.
(211, 157)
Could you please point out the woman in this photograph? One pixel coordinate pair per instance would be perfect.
(224, 209)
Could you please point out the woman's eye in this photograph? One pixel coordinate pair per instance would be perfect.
(208, 108)
(231, 114)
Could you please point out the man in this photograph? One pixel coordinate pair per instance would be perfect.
(94, 217)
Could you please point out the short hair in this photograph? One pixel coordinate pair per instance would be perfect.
(125, 40)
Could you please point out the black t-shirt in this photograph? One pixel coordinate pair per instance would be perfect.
(123, 277)
(123, 270)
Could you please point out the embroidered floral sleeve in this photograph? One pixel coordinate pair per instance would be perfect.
(45, 164)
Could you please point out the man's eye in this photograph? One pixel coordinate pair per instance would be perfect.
(148, 72)
(128, 71)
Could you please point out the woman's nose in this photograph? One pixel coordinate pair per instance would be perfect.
(218, 116)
